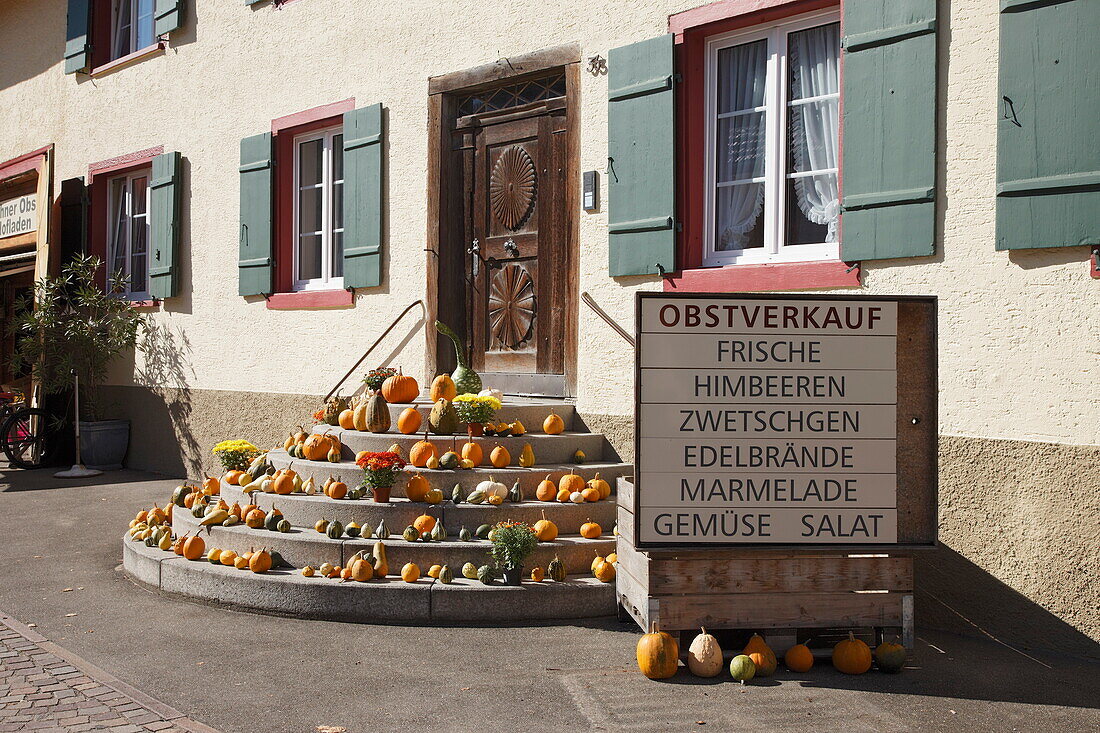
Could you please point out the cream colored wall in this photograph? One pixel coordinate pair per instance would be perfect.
(1019, 339)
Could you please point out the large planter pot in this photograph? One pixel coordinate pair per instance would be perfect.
(381, 494)
(103, 443)
(513, 576)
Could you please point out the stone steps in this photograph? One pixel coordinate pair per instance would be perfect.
(305, 546)
(388, 601)
(445, 480)
(531, 412)
(547, 448)
(304, 511)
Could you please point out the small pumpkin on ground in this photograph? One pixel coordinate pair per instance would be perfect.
(417, 488)
(762, 656)
(346, 421)
(537, 574)
(852, 655)
(553, 424)
(799, 658)
(194, 548)
(443, 388)
(545, 530)
(571, 482)
(260, 562)
(421, 452)
(742, 668)
(590, 530)
(658, 654)
(604, 572)
(890, 656)
(547, 490)
(472, 452)
(424, 523)
(410, 573)
(499, 456)
(705, 655)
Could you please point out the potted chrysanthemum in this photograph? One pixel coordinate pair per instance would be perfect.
(513, 543)
(235, 455)
(380, 472)
(475, 411)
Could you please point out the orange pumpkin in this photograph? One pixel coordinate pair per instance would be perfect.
(570, 482)
(400, 388)
(233, 477)
(211, 486)
(471, 451)
(177, 546)
(590, 530)
(421, 452)
(591, 494)
(315, 447)
(537, 574)
(658, 654)
(361, 570)
(600, 485)
(410, 572)
(255, 518)
(408, 422)
(545, 530)
(336, 490)
(347, 419)
(260, 562)
(799, 658)
(188, 501)
(761, 655)
(417, 488)
(500, 457)
(443, 388)
(424, 523)
(563, 495)
(284, 483)
(194, 548)
(852, 656)
(547, 490)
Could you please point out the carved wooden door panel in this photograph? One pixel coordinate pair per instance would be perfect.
(513, 178)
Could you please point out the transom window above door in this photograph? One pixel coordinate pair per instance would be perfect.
(128, 237)
(772, 113)
(132, 27)
(319, 210)
(512, 95)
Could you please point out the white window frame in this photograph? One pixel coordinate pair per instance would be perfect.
(113, 203)
(776, 148)
(132, 32)
(327, 281)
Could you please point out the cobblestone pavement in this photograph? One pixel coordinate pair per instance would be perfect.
(46, 688)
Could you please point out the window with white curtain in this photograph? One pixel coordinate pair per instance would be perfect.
(773, 131)
(128, 236)
(319, 210)
(133, 27)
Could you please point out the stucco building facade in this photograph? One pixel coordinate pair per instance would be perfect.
(1019, 341)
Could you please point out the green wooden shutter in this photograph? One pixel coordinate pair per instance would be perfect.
(78, 47)
(888, 170)
(168, 16)
(641, 177)
(1048, 159)
(256, 264)
(363, 136)
(164, 226)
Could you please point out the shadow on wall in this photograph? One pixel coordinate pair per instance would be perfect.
(32, 36)
(167, 371)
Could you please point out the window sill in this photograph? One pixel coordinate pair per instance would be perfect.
(766, 277)
(306, 299)
(131, 58)
(145, 304)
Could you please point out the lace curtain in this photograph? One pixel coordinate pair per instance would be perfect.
(742, 75)
(814, 126)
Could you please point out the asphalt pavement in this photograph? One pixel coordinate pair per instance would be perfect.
(60, 553)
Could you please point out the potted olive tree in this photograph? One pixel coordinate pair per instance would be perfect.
(71, 326)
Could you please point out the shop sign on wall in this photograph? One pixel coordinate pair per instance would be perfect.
(18, 215)
(765, 420)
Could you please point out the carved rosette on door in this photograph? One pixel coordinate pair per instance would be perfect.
(513, 188)
(511, 307)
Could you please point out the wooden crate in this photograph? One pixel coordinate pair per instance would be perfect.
(757, 588)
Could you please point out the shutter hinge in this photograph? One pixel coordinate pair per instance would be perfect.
(678, 78)
(1095, 262)
(679, 227)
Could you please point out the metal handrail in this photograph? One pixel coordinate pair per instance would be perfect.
(607, 319)
(372, 346)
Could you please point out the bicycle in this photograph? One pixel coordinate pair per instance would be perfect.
(28, 435)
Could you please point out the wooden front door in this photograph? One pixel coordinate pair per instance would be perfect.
(518, 238)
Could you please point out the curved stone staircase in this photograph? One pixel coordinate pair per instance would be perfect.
(391, 600)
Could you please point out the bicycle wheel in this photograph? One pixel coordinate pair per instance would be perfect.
(29, 437)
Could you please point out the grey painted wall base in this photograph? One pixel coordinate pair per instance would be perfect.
(389, 601)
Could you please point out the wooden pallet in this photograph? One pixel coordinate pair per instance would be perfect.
(779, 590)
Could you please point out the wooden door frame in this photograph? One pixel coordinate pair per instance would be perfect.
(445, 245)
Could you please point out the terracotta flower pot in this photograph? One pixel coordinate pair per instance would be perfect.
(475, 429)
(381, 494)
